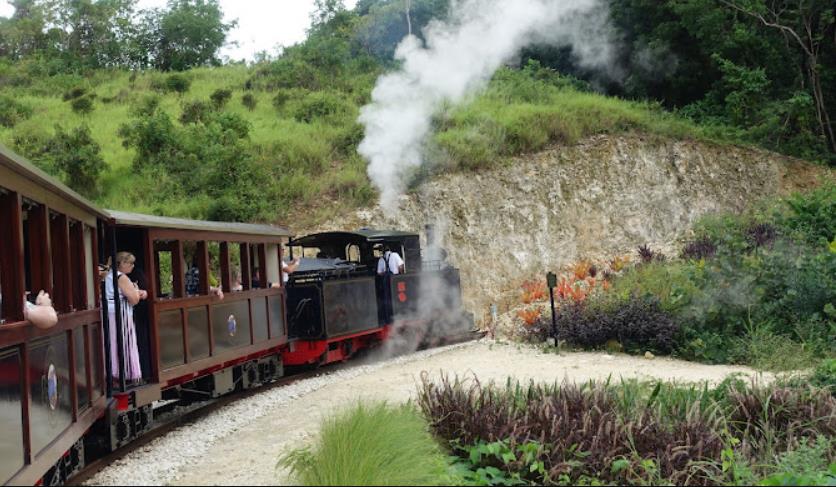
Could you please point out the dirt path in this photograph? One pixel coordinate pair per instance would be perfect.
(249, 456)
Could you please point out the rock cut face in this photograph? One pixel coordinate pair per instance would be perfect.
(600, 198)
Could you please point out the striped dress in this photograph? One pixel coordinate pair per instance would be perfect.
(133, 370)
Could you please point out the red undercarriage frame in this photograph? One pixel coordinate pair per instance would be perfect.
(322, 352)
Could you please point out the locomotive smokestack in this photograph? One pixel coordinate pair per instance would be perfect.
(429, 230)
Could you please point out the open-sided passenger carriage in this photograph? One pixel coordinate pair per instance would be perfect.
(52, 382)
(199, 345)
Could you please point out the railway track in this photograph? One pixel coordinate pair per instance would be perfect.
(171, 419)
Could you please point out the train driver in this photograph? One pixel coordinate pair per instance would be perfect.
(390, 263)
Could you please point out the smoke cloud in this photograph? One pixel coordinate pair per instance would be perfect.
(459, 58)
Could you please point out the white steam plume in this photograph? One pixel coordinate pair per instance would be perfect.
(460, 56)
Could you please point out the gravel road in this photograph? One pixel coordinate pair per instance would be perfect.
(240, 444)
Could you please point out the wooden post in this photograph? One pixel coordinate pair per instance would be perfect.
(11, 257)
(203, 266)
(177, 271)
(226, 274)
(60, 236)
(39, 251)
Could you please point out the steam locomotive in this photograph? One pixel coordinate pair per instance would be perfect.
(237, 325)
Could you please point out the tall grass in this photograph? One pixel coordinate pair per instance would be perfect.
(371, 444)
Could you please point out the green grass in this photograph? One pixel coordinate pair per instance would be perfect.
(371, 444)
(315, 165)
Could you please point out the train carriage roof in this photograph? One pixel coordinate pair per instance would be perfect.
(151, 221)
(44, 183)
(362, 235)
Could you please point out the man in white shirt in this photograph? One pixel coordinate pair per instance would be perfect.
(390, 262)
(289, 268)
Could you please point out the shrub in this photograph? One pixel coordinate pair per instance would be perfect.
(638, 324)
(177, 83)
(825, 375)
(321, 105)
(82, 105)
(813, 214)
(145, 106)
(77, 156)
(371, 445)
(761, 235)
(194, 111)
(249, 101)
(12, 111)
(75, 92)
(647, 256)
(220, 97)
(702, 248)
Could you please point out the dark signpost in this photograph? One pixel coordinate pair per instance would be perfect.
(551, 280)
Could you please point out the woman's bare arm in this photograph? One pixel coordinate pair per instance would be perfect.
(130, 292)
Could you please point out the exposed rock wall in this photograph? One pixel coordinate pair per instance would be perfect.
(600, 198)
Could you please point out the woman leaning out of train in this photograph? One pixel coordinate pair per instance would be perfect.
(129, 296)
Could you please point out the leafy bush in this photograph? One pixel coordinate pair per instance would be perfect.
(371, 445)
(220, 97)
(177, 83)
(249, 101)
(195, 111)
(701, 248)
(322, 105)
(761, 235)
(647, 256)
(76, 156)
(813, 214)
(82, 105)
(638, 324)
(75, 92)
(12, 111)
(825, 375)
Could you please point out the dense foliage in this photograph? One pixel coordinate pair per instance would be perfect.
(632, 433)
(70, 35)
(91, 62)
(757, 288)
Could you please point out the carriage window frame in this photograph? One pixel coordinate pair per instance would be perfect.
(173, 249)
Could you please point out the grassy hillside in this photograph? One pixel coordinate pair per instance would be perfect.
(301, 140)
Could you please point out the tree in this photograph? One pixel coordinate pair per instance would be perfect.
(325, 10)
(191, 34)
(76, 155)
(810, 25)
